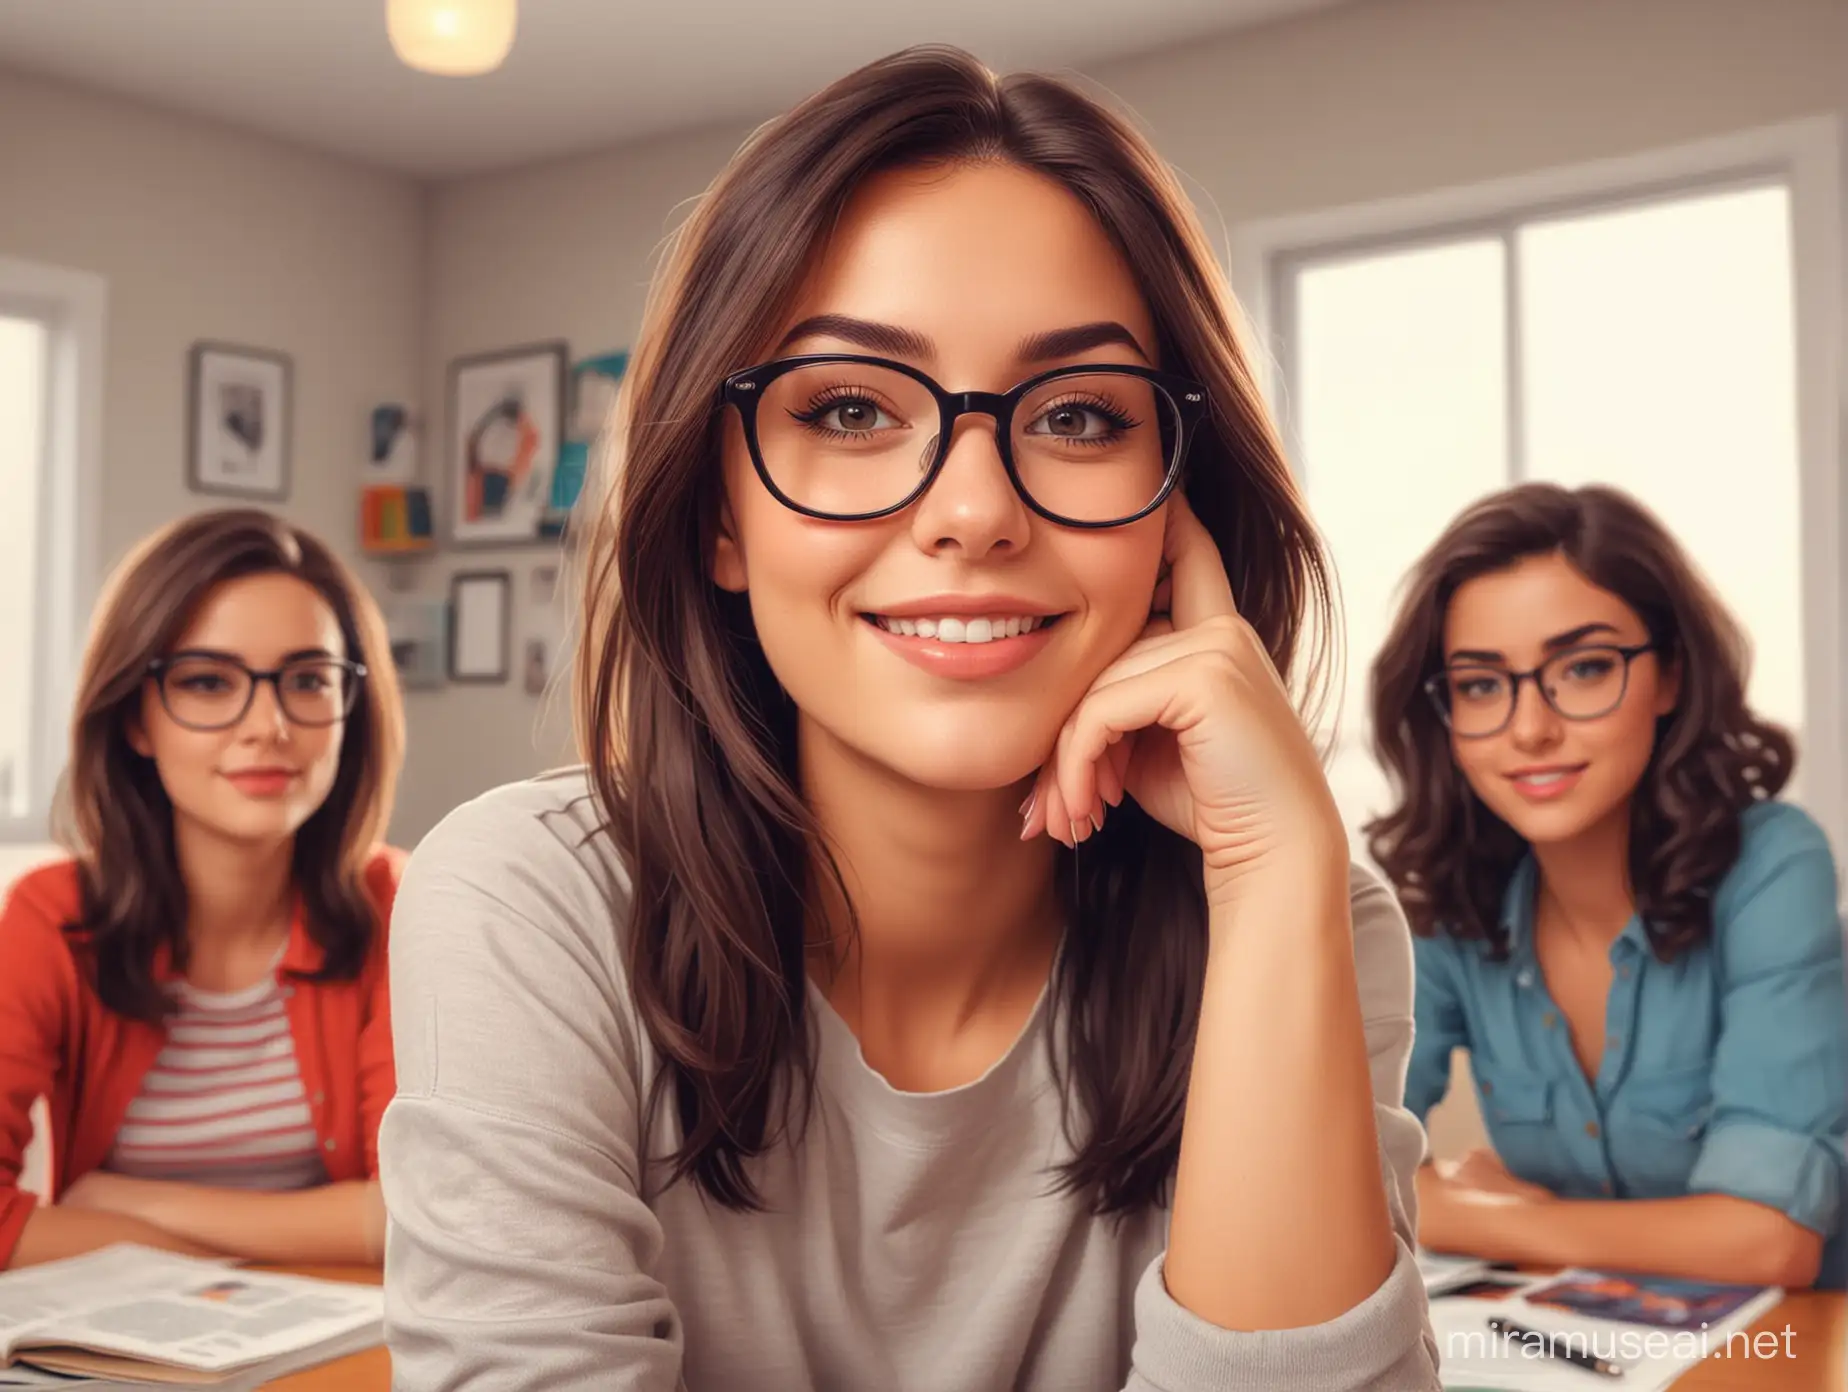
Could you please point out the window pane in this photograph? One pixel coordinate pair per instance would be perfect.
(1660, 357)
(22, 408)
(1401, 410)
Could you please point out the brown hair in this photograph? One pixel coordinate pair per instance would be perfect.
(114, 816)
(1448, 855)
(691, 740)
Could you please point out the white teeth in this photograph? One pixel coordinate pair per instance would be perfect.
(953, 629)
(1542, 779)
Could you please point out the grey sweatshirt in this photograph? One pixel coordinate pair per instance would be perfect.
(912, 1242)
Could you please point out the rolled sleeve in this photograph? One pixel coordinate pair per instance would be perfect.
(1780, 1066)
(1380, 1343)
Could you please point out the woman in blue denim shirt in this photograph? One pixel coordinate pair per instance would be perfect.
(1636, 942)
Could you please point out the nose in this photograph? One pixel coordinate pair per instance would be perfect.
(971, 507)
(265, 717)
(1534, 724)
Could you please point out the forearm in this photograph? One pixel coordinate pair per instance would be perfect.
(1702, 1237)
(1280, 1215)
(51, 1234)
(332, 1223)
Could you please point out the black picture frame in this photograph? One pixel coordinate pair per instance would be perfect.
(209, 363)
(461, 585)
(547, 360)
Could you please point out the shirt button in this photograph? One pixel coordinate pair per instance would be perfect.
(1613, 1041)
(330, 1145)
(1624, 972)
(1487, 1087)
(319, 1098)
(1549, 1019)
(1606, 1187)
(1591, 1129)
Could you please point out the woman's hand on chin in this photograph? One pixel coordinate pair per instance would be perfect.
(1193, 722)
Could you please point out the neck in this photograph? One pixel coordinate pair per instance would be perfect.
(238, 893)
(957, 918)
(1585, 881)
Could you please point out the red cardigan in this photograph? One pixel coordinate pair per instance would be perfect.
(59, 1041)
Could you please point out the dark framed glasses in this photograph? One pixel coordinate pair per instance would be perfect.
(210, 691)
(849, 438)
(1477, 700)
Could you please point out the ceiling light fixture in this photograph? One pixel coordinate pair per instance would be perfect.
(452, 38)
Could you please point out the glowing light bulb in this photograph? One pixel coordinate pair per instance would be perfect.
(453, 38)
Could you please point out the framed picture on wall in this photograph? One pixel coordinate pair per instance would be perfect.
(480, 626)
(506, 423)
(238, 421)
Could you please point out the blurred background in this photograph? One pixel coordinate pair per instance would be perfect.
(253, 251)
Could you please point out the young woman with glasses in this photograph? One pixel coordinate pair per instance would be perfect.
(199, 992)
(947, 972)
(1635, 940)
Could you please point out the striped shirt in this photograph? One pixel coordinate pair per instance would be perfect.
(223, 1104)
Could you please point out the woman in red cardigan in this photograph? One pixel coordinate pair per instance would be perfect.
(199, 992)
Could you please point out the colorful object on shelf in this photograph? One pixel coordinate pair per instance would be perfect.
(396, 518)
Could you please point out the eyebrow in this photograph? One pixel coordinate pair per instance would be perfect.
(896, 341)
(1570, 638)
(299, 655)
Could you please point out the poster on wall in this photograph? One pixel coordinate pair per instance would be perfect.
(594, 386)
(507, 420)
(237, 421)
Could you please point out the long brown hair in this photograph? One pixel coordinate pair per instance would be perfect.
(1448, 854)
(115, 817)
(691, 741)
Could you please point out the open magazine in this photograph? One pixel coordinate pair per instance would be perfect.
(1652, 1328)
(139, 1315)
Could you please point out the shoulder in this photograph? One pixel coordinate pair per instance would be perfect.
(38, 908)
(48, 893)
(1778, 905)
(1382, 945)
(526, 858)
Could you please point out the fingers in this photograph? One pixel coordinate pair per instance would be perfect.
(1197, 578)
(1085, 773)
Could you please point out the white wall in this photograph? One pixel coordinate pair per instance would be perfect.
(205, 232)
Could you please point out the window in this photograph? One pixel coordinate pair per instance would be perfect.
(51, 324)
(1647, 339)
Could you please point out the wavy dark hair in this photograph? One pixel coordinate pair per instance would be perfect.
(690, 739)
(114, 815)
(1449, 856)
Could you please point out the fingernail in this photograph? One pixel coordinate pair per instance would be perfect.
(1026, 806)
(1097, 822)
(1077, 835)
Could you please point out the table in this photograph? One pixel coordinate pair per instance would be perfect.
(1817, 1322)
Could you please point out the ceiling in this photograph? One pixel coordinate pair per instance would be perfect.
(583, 73)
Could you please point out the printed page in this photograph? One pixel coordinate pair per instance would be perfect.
(34, 1294)
(1471, 1355)
(218, 1321)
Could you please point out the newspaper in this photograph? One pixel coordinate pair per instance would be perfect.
(138, 1314)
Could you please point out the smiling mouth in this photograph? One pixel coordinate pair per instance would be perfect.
(957, 628)
(1546, 778)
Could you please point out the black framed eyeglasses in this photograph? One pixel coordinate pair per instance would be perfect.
(1477, 700)
(848, 438)
(211, 691)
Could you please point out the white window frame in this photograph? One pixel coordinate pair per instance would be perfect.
(1806, 156)
(72, 305)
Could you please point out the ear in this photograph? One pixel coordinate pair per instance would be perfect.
(728, 571)
(137, 735)
(1668, 685)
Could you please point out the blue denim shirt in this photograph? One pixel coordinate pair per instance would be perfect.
(1725, 1071)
